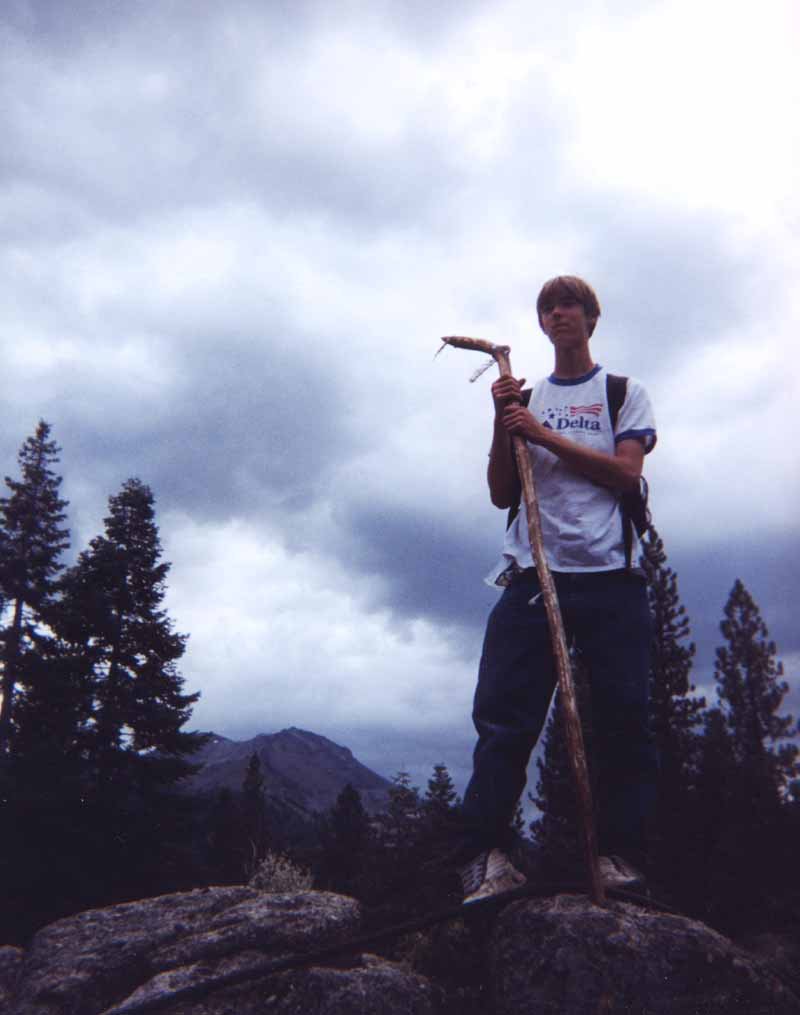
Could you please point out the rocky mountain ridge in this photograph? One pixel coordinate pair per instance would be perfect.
(302, 770)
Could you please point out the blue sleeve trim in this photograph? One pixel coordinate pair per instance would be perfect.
(647, 436)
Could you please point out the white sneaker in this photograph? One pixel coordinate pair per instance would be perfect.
(489, 874)
(618, 873)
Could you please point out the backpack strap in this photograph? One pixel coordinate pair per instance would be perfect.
(616, 390)
(633, 506)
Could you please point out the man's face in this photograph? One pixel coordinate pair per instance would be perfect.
(564, 321)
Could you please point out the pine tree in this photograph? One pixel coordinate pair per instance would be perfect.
(557, 832)
(712, 875)
(675, 713)
(113, 619)
(675, 716)
(440, 797)
(346, 840)
(118, 636)
(349, 821)
(404, 803)
(225, 835)
(52, 723)
(400, 838)
(32, 541)
(748, 769)
(254, 814)
(751, 692)
(439, 819)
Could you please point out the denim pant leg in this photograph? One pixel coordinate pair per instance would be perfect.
(613, 632)
(515, 683)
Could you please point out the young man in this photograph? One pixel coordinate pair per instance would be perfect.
(582, 466)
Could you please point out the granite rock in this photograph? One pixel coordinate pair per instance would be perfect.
(565, 955)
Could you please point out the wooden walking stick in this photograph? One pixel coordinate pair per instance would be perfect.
(566, 686)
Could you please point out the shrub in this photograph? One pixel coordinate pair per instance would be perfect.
(277, 873)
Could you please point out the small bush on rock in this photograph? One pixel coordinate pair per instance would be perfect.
(277, 873)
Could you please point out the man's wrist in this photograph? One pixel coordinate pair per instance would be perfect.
(548, 440)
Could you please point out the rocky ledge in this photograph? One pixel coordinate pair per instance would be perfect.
(116, 959)
(564, 955)
(556, 955)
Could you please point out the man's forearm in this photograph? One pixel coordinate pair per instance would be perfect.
(620, 472)
(501, 474)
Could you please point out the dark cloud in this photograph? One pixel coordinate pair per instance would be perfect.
(672, 280)
(432, 567)
(65, 26)
(667, 280)
(238, 435)
(161, 107)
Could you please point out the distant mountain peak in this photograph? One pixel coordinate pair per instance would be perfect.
(301, 769)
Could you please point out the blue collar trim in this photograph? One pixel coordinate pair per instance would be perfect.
(570, 381)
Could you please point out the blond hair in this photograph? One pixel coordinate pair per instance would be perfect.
(574, 288)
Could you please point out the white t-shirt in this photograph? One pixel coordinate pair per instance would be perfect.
(581, 520)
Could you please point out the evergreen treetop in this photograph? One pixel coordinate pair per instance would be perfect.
(751, 692)
(254, 812)
(676, 714)
(32, 540)
(441, 795)
(113, 615)
(349, 822)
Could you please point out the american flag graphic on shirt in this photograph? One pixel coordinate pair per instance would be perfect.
(592, 410)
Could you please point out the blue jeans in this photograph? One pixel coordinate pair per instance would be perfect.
(606, 616)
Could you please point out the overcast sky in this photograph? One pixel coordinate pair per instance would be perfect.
(232, 234)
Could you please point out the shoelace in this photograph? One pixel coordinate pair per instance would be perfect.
(473, 873)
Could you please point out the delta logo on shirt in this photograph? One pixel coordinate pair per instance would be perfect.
(574, 417)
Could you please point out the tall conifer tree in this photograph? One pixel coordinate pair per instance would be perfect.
(749, 764)
(440, 796)
(675, 716)
(439, 810)
(113, 615)
(224, 840)
(345, 840)
(400, 838)
(32, 540)
(254, 813)
(715, 830)
(675, 713)
(402, 818)
(751, 692)
(557, 833)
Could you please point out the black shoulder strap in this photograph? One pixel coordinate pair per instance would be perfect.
(616, 390)
(633, 506)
